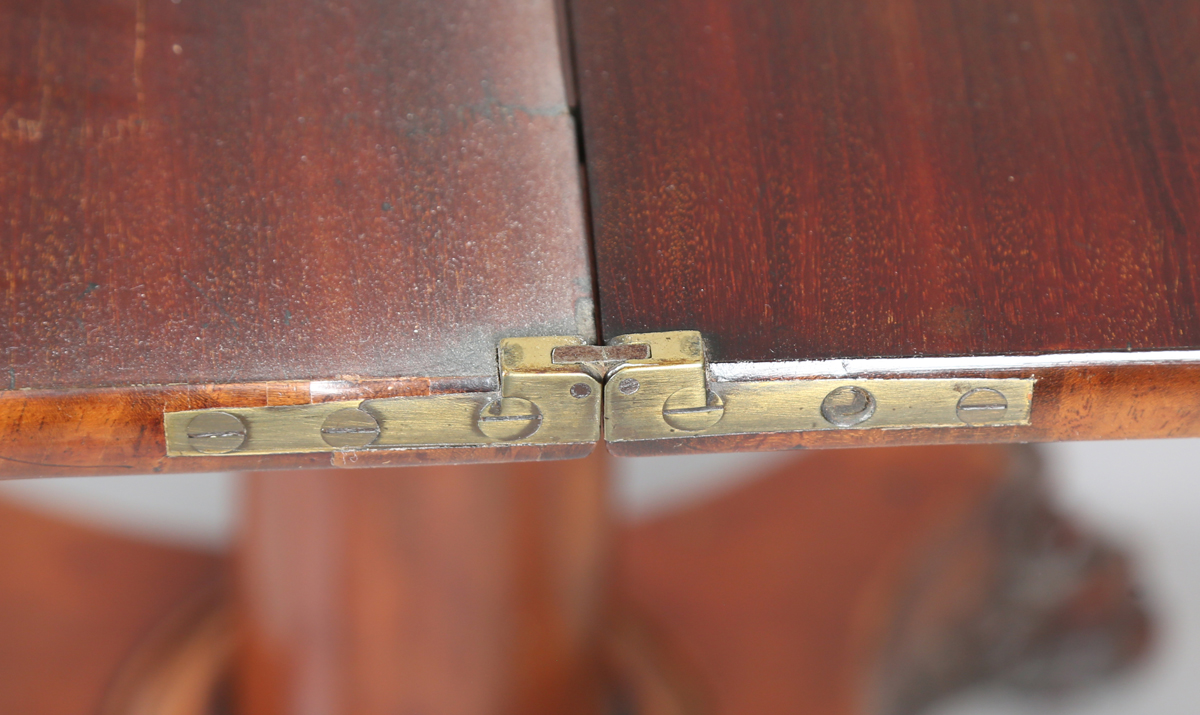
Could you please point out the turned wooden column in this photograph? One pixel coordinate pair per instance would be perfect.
(454, 589)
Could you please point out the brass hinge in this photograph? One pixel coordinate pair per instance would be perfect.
(540, 402)
(671, 395)
(552, 389)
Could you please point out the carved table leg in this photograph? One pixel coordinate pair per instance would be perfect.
(866, 581)
(90, 620)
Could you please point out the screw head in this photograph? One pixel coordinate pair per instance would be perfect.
(216, 432)
(509, 418)
(847, 406)
(628, 386)
(580, 390)
(351, 427)
(982, 405)
(692, 409)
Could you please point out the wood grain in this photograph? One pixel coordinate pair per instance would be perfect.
(472, 589)
(867, 581)
(215, 203)
(823, 179)
(228, 191)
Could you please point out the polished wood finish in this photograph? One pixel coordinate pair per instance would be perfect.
(473, 589)
(78, 605)
(825, 179)
(231, 192)
(199, 194)
(867, 581)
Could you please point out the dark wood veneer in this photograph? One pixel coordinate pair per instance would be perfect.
(229, 191)
(220, 199)
(818, 178)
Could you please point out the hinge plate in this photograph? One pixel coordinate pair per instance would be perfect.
(670, 395)
(539, 402)
(650, 386)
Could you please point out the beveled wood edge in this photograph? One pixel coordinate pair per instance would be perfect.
(119, 430)
(1070, 403)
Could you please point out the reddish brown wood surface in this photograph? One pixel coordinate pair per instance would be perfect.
(473, 589)
(228, 191)
(200, 202)
(868, 581)
(77, 604)
(818, 178)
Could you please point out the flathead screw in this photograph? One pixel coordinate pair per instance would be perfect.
(981, 405)
(216, 433)
(350, 427)
(847, 406)
(692, 410)
(509, 418)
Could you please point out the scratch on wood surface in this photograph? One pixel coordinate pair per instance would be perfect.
(66, 466)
